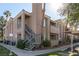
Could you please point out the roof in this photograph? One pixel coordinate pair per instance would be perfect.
(29, 14)
(23, 11)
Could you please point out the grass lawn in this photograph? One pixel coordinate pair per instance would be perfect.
(53, 54)
(5, 52)
(58, 53)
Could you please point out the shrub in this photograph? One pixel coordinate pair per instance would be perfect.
(1, 41)
(67, 40)
(46, 43)
(20, 44)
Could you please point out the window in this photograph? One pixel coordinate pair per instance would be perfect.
(44, 23)
(19, 23)
(53, 37)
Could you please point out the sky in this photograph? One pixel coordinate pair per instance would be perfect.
(15, 8)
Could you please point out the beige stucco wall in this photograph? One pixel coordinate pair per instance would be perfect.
(36, 17)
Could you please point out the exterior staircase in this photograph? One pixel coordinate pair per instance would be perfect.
(30, 38)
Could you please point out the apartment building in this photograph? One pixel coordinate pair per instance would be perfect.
(32, 27)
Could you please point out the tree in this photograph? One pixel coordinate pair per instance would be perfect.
(2, 24)
(7, 13)
(71, 12)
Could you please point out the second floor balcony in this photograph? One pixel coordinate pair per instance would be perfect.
(54, 29)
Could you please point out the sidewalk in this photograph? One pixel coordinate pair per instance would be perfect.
(21, 52)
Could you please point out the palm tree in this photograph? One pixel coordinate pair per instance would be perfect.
(7, 14)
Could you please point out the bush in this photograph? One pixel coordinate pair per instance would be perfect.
(1, 41)
(20, 44)
(46, 43)
(67, 40)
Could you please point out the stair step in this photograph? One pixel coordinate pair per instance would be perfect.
(30, 37)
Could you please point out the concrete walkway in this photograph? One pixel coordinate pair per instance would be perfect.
(21, 52)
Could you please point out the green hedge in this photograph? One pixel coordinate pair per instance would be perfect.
(46, 43)
(20, 44)
(67, 40)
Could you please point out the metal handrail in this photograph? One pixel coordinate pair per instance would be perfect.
(31, 37)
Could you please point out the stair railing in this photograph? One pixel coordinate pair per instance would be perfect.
(32, 37)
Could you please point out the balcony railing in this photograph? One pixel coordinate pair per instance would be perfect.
(54, 29)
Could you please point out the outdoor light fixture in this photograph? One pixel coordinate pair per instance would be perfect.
(11, 34)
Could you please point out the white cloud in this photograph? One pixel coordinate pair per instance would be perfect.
(52, 9)
(54, 6)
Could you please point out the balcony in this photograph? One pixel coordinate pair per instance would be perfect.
(54, 42)
(54, 29)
